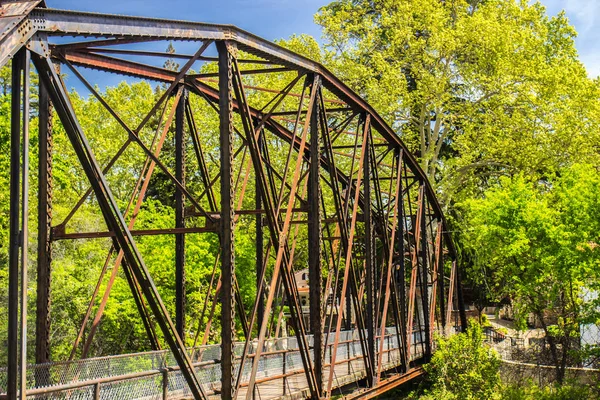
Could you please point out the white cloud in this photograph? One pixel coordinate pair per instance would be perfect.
(583, 13)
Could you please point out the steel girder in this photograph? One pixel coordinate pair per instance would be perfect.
(379, 251)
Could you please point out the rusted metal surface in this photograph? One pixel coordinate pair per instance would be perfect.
(44, 259)
(336, 192)
(16, 27)
(387, 385)
(114, 219)
(227, 219)
(14, 227)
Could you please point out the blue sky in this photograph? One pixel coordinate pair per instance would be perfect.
(275, 19)
(271, 19)
(585, 16)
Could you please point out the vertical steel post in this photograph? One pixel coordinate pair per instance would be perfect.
(348, 355)
(348, 319)
(284, 372)
(414, 272)
(425, 274)
(97, 391)
(227, 219)
(24, 226)
(13, 250)
(449, 308)
(401, 278)
(441, 278)
(314, 244)
(435, 278)
(165, 384)
(259, 248)
(369, 261)
(42, 332)
(180, 217)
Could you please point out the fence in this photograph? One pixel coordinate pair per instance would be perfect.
(155, 375)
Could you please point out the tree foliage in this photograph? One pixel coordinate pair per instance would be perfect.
(475, 88)
(536, 243)
(463, 367)
(489, 94)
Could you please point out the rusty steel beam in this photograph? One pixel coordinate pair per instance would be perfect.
(180, 149)
(114, 219)
(200, 158)
(386, 385)
(259, 253)
(59, 22)
(14, 227)
(16, 27)
(366, 287)
(370, 261)
(44, 258)
(24, 226)
(348, 265)
(424, 247)
(227, 218)
(314, 245)
(398, 214)
(436, 278)
(414, 271)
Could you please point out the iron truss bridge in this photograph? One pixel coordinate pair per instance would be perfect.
(273, 139)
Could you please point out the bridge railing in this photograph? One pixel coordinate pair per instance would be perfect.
(155, 375)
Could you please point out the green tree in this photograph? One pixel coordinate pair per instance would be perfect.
(536, 243)
(476, 89)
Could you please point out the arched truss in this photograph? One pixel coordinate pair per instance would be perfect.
(324, 173)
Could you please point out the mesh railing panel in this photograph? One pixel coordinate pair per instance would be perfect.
(278, 357)
(61, 373)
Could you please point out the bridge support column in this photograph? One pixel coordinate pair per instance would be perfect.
(369, 263)
(44, 259)
(180, 298)
(314, 243)
(13, 249)
(400, 275)
(227, 219)
(18, 218)
(442, 287)
(425, 289)
(259, 251)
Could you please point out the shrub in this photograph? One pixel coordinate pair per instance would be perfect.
(463, 367)
(533, 392)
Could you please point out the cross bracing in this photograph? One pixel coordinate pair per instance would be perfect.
(307, 159)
